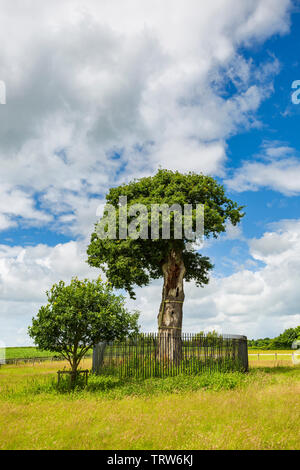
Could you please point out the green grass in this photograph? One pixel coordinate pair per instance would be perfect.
(26, 352)
(269, 355)
(258, 410)
(270, 351)
(112, 387)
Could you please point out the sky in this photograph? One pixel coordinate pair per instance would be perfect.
(101, 92)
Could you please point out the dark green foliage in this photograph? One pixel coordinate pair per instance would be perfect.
(211, 337)
(129, 262)
(286, 338)
(283, 341)
(263, 343)
(79, 315)
(114, 387)
(65, 384)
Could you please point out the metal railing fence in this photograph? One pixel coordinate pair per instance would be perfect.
(160, 355)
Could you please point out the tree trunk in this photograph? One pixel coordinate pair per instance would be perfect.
(170, 312)
(74, 373)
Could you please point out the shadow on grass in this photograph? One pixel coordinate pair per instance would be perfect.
(113, 387)
(176, 384)
(275, 370)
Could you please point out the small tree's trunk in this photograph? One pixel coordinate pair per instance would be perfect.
(170, 312)
(74, 364)
(74, 373)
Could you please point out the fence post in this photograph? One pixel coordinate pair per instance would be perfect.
(98, 357)
(243, 352)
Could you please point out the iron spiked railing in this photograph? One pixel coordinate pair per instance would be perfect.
(161, 355)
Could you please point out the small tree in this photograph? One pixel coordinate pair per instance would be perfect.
(78, 316)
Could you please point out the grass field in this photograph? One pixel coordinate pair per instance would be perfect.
(270, 351)
(278, 354)
(258, 410)
(31, 352)
(25, 352)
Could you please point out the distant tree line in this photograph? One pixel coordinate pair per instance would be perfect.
(283, 341)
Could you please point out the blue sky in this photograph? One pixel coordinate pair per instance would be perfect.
(98, 94)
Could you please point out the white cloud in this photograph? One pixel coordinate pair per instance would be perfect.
(233, 232)
(282, 176)
(100, 92)
(278, 151)
(276, 167)
(26, 273)
(85, 79)
(6, 222)
(25, 276)
(15, 202)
